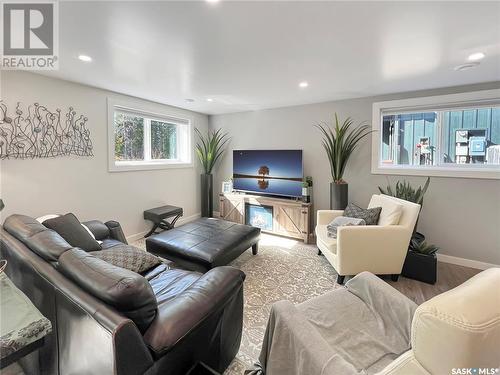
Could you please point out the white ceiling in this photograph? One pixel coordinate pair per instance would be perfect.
(252, 55)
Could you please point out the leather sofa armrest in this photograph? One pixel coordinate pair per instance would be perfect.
(325, 217)
(116, 231)
(98, 229)
(177, 318)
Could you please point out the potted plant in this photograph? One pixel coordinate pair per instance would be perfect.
(209, 149)
(307, 184)
(339, 145)
(421, 262)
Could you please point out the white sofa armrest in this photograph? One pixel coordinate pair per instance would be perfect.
(384, 248)
(325, 217)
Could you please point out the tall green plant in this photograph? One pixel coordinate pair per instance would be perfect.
(210, 148)
(340, 143)
(404, 190)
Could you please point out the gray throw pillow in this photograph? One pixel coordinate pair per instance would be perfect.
(128, 257)
(369, 215)
(342, 221)
(69, 228)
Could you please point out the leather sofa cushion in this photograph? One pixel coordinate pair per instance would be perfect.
(127, 291)
(109, 243)
(42, 241)
(69, 227)
(179, 316)
(167, 285)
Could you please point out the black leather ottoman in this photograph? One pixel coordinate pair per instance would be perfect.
(204, 243)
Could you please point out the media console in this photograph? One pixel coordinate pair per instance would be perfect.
(285, 217)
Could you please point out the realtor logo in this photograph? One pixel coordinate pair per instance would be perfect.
(29, 39)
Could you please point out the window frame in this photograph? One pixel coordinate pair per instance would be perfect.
(475, 99)
(149, 113)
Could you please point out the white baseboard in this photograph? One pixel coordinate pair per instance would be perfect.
(465, 262)
(182, 220)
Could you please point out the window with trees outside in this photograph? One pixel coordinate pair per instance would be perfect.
(141, 140)
(438, 136)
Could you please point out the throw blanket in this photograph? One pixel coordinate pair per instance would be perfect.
(342, 221)
(359, 329)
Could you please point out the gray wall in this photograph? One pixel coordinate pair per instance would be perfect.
(460, 215)
(83, 185)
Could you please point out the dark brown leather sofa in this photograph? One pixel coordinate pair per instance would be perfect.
(166, 320)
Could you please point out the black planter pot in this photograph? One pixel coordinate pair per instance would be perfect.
(338, 196)
(207, 198)
(420, 267)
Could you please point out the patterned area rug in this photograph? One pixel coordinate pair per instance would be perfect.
(283, 269)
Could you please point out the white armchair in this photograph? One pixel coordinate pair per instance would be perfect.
(380, 249)
(459, 329)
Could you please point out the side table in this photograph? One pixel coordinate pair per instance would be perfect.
(159, 215)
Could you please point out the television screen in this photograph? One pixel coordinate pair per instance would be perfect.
(273, 172)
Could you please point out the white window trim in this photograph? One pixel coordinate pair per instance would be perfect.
(151, 112)
(441, 102)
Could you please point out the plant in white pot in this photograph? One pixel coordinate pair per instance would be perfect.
(339, 144)
(209, 149)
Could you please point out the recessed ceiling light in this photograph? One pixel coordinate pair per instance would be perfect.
(476, 56)
(212, 1)
(189, 100)
(210, 100)
(466, 66)
(85, 58)
(303, 84)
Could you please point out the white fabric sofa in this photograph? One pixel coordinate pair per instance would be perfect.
(380, 249)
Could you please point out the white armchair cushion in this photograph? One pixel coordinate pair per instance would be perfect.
(391, 210)
(324, 242)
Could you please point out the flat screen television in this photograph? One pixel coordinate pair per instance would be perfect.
(272, 172)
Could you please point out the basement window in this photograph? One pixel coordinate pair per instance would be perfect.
(141, 140)
(451, 136)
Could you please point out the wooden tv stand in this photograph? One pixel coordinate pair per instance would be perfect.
(291, 218)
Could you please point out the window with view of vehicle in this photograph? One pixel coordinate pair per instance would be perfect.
(142, 140)
(439, 138)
